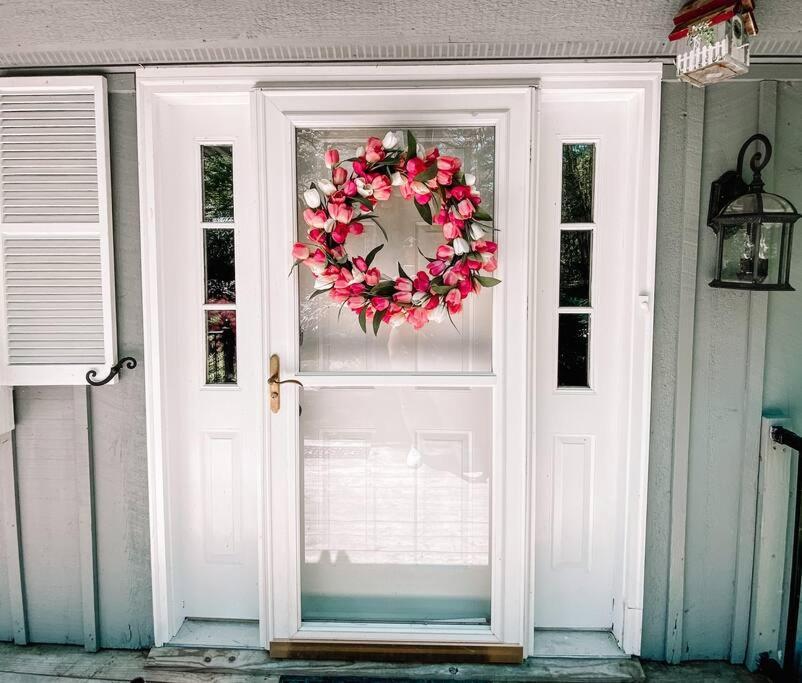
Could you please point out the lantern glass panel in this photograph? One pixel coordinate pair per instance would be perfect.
(773, 203)
(771, 246)
(737, 256)
(746, 203)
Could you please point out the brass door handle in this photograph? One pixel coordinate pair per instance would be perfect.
(274, 383)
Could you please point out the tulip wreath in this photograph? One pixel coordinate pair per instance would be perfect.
(443, 195)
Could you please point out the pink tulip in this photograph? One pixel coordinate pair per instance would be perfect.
(382, 189)
(454, 301)
(338, 253)
(341, 212)
(490, 265)
(374, 151)
(300, 252)
(473, 263)
(465, 208)
(418, 317)
(380, 303)
(357, 303)
(441, 217)
(360, 263)
(349, 189)
(372, 277)
(445, 252)
(432, 303)
(331, 157)
(317, 235)
(356, 228)
(338, 295)
(415, 166)
(339, 233)
(459, 192)
(449, 164)
(464, 287)
(451, 231)
(444, 178)
(315, 219)
(339, 175)
(436, 268)
(421, 282)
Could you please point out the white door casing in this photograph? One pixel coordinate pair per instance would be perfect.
(637, 86)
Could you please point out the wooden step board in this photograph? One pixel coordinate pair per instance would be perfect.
(259, 663)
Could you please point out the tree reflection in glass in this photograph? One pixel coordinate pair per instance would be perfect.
(219, 257)
(218, 183)
(577, 182)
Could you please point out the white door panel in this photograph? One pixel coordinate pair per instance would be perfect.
(211, 318)
(584, 303)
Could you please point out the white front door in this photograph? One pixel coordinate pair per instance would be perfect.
(397, 473)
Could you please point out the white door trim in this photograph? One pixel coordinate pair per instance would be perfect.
(639, 82)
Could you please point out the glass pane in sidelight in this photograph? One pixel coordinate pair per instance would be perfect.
(221, 347)
(576, 248)
(217, 164)
(577, 182)
(573, 350)
(331, 339)
(218, 246)
(396, 504)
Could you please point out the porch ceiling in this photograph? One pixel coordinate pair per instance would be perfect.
(87, 32)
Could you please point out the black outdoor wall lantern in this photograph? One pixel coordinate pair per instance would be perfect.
(754, 227)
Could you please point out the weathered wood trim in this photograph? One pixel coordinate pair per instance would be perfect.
(691, 210)
(757, 325)
(396, 652)
(86, 516)
(9, 502)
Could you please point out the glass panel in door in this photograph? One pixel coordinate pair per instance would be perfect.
(395, 480)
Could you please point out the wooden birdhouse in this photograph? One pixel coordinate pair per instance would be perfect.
(713, 37)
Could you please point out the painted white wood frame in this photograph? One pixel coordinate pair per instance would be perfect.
(508, 110)
(637, 84)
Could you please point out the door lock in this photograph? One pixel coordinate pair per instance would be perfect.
(274, 383)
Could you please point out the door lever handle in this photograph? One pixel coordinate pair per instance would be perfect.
(274, 383)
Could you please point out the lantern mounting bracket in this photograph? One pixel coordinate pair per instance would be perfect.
(732, 184)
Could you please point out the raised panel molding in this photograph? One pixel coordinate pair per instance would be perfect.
(572, 491)
(222, 519)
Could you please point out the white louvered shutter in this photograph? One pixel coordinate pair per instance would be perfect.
(56, 258)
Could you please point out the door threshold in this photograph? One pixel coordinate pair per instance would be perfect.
(260, 663)
(218, 633)
(576, 643)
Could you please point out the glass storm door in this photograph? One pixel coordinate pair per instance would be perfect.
(397, 474)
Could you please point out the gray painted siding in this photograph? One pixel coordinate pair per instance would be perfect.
(44, 434)
(47, 464)
(6, 629)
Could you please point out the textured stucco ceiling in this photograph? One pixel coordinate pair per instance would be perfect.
(75, 32)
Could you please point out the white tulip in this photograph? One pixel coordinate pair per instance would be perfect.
(418, 297)
(356, 276)
(476, 232)
(470, 179)
(327, 186)
(322, 284)
(328, 226)
(396, 179)
(420, 151)
(364, 189)
(312, 198)
(438, 314)
(461, 246)
(360, 151)
(390, 140)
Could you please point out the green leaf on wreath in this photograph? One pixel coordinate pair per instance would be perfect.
(486, 281)
(427, 174)
(363, 315)
(428, 258)
(358, 199)
(372, 254)
(425, 211)
(440, 289)
(402, 273)
(379, 226)
(412, 146)
(317, 292)
(481, 215)
(377, 320)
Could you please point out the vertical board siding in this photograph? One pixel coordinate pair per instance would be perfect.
(118, 412)
(48, 501)
(719, 383)
(6, 619)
